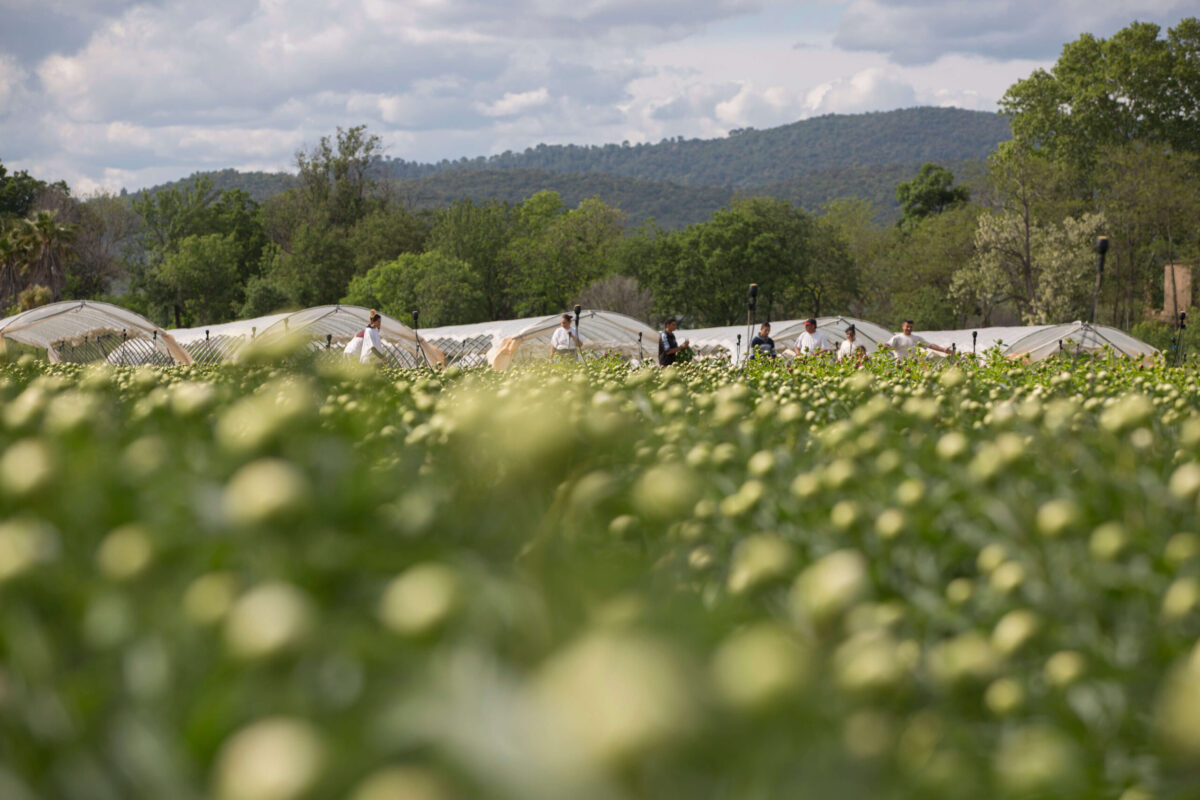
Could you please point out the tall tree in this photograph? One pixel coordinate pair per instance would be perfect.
(440, 287)
(478, 235)
(1103, 92)
(49, 245)
(703, 272)
(930, 192)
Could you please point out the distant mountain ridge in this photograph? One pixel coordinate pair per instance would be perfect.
(751, 157)
(677, 182)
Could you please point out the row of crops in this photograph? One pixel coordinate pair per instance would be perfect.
(899, 580)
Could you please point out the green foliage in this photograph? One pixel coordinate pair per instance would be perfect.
(441, 288)
(929, 192)
(478, 235)
(558, 252)
(900, 580)
(703, 272)
(19, 191)
(1135, 86)
(754, 158)
(201, 273)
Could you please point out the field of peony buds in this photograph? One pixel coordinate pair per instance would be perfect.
(266, 582)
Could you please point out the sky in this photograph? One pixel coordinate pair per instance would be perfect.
(111, 94)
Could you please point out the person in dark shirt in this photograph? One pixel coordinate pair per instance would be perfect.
(763, 344)
(668, 348)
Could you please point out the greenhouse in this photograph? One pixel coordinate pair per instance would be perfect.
(980, 340)
(604, 332)
(1077, 337)
(85, 330)
(326, 327)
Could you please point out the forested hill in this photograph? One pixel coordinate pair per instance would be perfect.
(678, 182)
(751, 157)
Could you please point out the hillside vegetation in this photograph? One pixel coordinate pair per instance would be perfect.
(750, 157)
(679, 182)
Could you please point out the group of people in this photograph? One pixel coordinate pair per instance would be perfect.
(814, 342)
(565, 342)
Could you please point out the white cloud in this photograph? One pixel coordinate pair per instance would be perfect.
(515, 103)
(868, 90)
(107, 90)
(921, 31)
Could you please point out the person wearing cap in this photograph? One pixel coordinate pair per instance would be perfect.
(812, 341)
(906, 344)
(763, 344)
(849, 344)
(668, 348)
(565, 341)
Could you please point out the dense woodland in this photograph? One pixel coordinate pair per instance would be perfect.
(949, 217)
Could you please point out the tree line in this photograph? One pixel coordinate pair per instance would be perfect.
(1101, 145)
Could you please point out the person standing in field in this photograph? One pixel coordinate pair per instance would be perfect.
(812, 341)
(668, 348)
(565, 343)
(906, 344)
(371, 343)
(763, 344)
(849, 344)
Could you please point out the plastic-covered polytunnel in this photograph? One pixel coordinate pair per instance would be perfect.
(326, 327)
(81, 331)
(730, 341)
(213, 344)
(1077, 336)
(984, 339)
(519, 341)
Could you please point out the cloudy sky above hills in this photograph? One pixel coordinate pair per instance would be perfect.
(111, 93)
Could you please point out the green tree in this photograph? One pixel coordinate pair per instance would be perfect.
(174, 215)
(440, 287)
(478, 235)
(558, 253)
(335, 175)
(48, 247)
(201, 273)
(1150, 196)
(1047, 270)
(384, 234)
(19, 192)
(920, 268)
(1135, 86)
(930, 192)
(703, 272)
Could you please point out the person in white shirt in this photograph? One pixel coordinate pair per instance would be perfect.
(565, 340)
(906, 343)
(848, 345)
(812, 341)
(371, 343)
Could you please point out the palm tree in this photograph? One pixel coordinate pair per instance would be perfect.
(49, 242)
(14, 255)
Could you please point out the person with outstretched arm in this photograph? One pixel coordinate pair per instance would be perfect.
(668, 348)
(907, 344)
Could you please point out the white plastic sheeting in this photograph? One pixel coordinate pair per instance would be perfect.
(1053, 340)
(86, 330)
(986, 338)
(600, 331)
(333, 326)
(212, 344)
